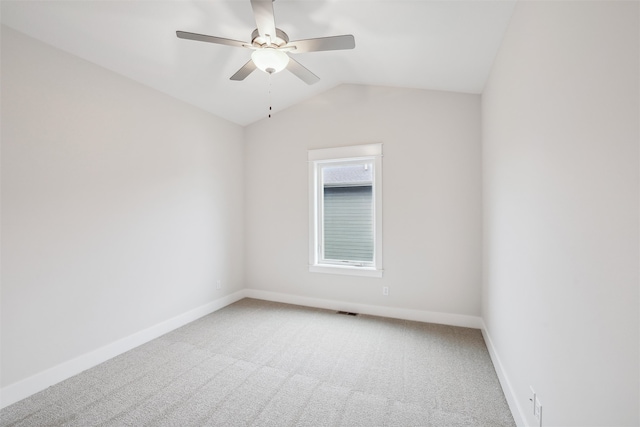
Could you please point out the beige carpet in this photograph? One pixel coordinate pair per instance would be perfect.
(257, 363)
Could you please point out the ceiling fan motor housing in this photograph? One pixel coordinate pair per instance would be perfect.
(281, 38)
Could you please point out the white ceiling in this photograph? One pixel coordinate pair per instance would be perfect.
(441, 45)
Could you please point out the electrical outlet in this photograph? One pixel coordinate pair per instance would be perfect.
(219, 284)
(537, 410)
(536, 406)
(385, 290)
(532, 399)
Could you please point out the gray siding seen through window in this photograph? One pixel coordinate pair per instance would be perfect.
(348, 223)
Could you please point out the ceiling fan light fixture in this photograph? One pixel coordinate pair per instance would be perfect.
(270, 60)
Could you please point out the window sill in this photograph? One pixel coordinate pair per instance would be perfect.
(346, 270)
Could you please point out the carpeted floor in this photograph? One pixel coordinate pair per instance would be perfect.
(258, 363)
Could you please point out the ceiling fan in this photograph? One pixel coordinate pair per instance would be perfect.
(271, 45)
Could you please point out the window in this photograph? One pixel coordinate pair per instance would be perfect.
(345, 207)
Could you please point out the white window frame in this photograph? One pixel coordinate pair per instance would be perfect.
(343, 155)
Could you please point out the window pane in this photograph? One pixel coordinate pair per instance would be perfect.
(347, 175)
(348, 213)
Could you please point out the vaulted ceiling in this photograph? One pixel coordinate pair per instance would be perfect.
(441, 45)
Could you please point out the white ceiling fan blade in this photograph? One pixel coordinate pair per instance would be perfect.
(263, 12)
(243, 72)
(301, 72)
(324, 43)
(210, 39)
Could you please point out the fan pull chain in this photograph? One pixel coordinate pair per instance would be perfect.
(269, 95)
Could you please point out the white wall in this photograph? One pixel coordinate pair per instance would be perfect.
(431, 197)
(560, 171)
(121, 207)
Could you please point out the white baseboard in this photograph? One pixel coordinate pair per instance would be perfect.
(514, 406)
(374, 310)
(38, 382)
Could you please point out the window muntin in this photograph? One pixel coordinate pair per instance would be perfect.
(345, 206)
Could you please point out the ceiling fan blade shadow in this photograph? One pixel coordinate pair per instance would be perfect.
(302, 72)
(210, 39)
(263, 12)
(324, 43)
(244, 71)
